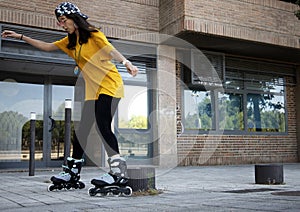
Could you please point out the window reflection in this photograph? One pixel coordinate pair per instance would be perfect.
(252, 101)
(133, 122)
(230, 111)
(17, 101)
(266, 113)
(133, 110)
(133, 128)
(198, 110)
(59, 94)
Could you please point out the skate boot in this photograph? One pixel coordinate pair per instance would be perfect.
(69, 178)
(114, 182)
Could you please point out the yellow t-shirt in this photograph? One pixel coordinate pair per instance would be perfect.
(94, 60)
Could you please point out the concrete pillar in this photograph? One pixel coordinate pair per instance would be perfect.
(166, 151)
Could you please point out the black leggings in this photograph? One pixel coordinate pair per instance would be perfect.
(103, 109)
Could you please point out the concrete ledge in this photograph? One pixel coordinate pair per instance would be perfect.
(269, 174)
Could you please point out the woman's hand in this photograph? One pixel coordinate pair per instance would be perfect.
(34, 42)
(10, 34)
(133, 70)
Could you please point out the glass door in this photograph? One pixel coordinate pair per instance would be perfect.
(133, 123)
(17, 101)
(59, 94)
(133, 120)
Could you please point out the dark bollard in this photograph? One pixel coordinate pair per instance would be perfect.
(67, 143)
(269, 174)
(141, 178)
(32, 144)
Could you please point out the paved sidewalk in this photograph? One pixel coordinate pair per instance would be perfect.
(205, 188)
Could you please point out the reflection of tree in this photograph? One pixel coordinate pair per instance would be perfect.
(58, 132)
(38, 135)
(231, 113)
(135, 122)
(202, 119)
(138, 122)
(11, 131)
(255, 100)
(264, 114)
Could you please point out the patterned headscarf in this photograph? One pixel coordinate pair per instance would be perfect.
(66, 8)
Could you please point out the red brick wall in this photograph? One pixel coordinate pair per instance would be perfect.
(238, 149)
(298, 110)
(117, 18)
(267, 21)
(171, 16)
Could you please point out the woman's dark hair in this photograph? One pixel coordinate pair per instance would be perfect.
(84, 28)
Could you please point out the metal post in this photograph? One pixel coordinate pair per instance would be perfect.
(67, 143)
(32, 144)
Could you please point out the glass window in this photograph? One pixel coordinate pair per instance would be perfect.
(264, 82)
(133, 110)
(198, 111)
(252, 100)
(234, 80)
(59, 94)
(17, 101)
(230, 108)
(132, 120)
(265, 113)
(140, 78)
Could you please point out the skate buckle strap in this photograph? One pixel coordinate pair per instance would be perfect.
(122, 180)
(108, 178)
(65, 167)
(118, 167)
(79, 160)
(62, 173)
(67, 170)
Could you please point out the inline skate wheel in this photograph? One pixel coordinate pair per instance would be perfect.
(104, 193)
(68, 186)
(128, 191)
(116, 193)
(81, 185)
(50, 188)
(76, 186)
(92, 191)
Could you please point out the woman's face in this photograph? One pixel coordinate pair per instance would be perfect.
(67, 24)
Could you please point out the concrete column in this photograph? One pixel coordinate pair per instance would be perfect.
(166, 154)
(298, 110)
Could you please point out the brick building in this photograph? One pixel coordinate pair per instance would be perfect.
(217, 83)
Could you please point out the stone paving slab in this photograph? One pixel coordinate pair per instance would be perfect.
(205, 188)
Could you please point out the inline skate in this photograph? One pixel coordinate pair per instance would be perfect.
(69, 178)
(114, 182)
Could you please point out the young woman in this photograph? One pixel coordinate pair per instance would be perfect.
(92, 53)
